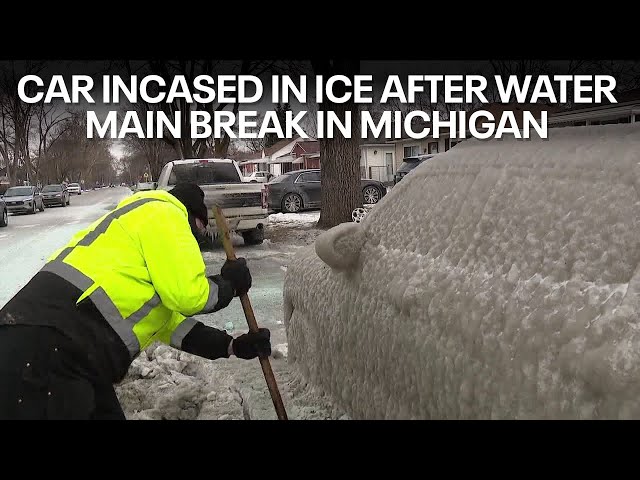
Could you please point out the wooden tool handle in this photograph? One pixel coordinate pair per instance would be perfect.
(223, 232)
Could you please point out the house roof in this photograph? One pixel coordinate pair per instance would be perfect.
(310, 146)
(253, 161)
(279, 145)
(245, 156)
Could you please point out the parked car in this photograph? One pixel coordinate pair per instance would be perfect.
(300, 189)
(408, 164)
(259, 177)
(144, 186)
(4, 214)
(469, 292)
(25, 199)
(243, 204)
(56, 194)
(74, 189)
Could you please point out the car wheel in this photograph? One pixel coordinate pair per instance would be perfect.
(253, 237)
(291, 203)
(4, 220)
(371, 195)
(33, 208)
(69, 200)
(253, 181)
(63, 204)
(41, 207)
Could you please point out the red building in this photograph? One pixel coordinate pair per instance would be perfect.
(307, 154)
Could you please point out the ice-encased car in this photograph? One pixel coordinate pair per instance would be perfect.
(499, 280)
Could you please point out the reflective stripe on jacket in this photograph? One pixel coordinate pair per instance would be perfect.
(142, 267)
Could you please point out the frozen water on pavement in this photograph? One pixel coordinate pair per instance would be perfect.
(28, 240)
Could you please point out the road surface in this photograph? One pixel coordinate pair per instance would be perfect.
(29, 239)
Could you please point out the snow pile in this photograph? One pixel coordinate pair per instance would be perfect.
(166, 384)
(497, 281)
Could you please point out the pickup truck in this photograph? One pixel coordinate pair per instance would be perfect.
(244, 204)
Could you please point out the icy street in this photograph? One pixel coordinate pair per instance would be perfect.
(164, 383)
(29, 239)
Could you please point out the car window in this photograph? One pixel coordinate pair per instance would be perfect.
(52, 188)
(281, 179)
(209, 173)
(407, 166)
(18, 191)
(309, 177)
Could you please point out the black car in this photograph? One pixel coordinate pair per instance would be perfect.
(408, 164)
(299, 190)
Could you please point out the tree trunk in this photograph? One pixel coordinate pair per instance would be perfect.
(339, 156)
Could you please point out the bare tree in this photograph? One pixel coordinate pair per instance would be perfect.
(50, 124)
(156, 151)
(16, 117)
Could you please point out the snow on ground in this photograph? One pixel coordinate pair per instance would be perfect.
(500, 280)
(166, 384)
(294, 229)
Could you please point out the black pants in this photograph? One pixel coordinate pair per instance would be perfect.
(43, 376)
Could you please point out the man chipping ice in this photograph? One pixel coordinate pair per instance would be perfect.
(133, 277)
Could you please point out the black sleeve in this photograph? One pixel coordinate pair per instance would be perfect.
(207, 342)
(225, 292)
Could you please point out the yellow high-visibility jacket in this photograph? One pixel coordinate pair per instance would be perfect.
(142, 268)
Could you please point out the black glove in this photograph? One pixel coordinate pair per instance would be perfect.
(237, 273)
(251, 345)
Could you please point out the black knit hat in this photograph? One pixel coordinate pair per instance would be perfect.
(192, 197)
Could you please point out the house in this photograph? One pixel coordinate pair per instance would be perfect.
(284, 156)
(250, 162)
(306, 154)
(381, 157)
(626, 110)
(377, 158)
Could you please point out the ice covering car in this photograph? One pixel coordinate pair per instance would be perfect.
(500, 280)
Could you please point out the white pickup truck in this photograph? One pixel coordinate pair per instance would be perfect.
(244, 204)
